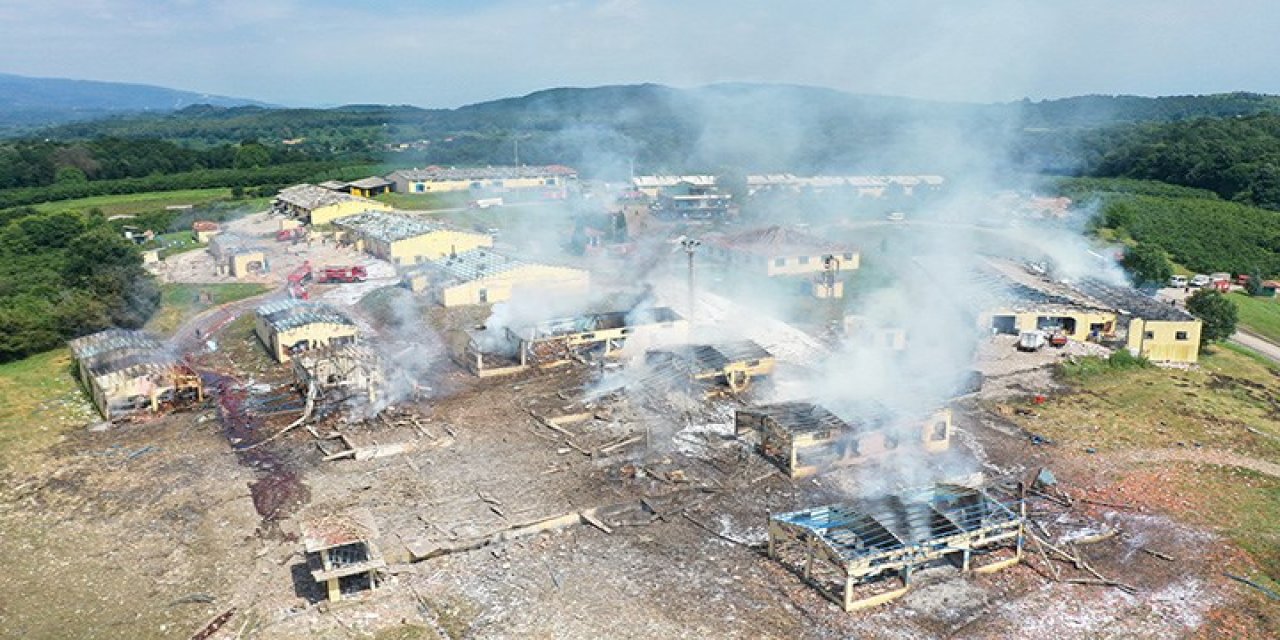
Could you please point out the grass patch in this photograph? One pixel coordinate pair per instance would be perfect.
(1259, 315)
(1082, 369)
(424, 201)
(40, 401)
(176, 242)
(135, 203)
(180, 302)
(1229, 402)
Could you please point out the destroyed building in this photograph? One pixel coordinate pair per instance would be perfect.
(729, 365)
(1014, 300)
(406, 240)
(341, 554)
(804, 438)
(579, 338)
(315, 205)
(337, 375)
(481, 276)
(289, 327)
(128, 372)
(848, 552)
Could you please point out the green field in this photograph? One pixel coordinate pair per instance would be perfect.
(40, 401)
(135, 203)
(1259, 315)
(426, 201)
(180, 302)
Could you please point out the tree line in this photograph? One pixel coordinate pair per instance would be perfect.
(67, 274)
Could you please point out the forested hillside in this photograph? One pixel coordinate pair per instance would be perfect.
(1236, 158)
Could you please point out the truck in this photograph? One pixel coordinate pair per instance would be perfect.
(291, 235)
(1031, 340)
(301, 275)
(354, 273)
(484, 203)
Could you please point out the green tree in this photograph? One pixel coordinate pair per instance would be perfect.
(1253, 286)
(1218, 315)
(1147, 264)
(69, 175)
(252, 155)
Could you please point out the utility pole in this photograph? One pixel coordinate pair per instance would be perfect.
(690, 245)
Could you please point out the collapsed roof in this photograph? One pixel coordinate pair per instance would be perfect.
(776, 241)
(430, 174)
(387, 227)
(310, 196)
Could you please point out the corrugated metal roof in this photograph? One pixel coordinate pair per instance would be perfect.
(310, 196)
(388, 227)
(283, 315)
(430, 174)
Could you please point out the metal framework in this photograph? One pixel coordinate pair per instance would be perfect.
(862, 554)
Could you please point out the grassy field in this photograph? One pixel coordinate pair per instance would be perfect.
(179, 302)
(1259, 315)
(134, 203)
(423, 201)
(1229, 403)
(1224, 410)
(40, 401)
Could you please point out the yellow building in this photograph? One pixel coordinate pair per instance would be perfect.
(480, 276)
(204, 230)
(1088, 309)
(779, 251)
(370, 187)
(287, 327)
(246, 262)
(440, 179)
(128, 372)
(405, 240)
(316, 205)
(805, 439)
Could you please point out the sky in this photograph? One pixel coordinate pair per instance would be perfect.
(446, 53)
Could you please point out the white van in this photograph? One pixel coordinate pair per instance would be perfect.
(1178, 281)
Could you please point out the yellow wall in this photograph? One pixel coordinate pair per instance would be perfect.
(318, 333)
(1163, 345)
(327, 214)
(240, 262)
(1027, 320)
(499, 287)
(793, 265)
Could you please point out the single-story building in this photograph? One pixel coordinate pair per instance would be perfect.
(204, 230)
(406, 240)
(725, 365)
(481, 276)
(440, 179)
(1013, 300)
(370, 187)
(245, 262)
(560, 341)
(288, 327)
(804, 438)
(780, 251)
(316, 205)
(129, 372)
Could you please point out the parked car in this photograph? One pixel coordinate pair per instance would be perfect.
(1031, 340)
(1178, 281)
(1200, 280)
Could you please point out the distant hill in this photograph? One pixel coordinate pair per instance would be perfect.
(27, 102)
(649, 127)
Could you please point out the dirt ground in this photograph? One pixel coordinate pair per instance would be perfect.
(154, 529)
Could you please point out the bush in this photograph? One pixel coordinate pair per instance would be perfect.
(1087, 367)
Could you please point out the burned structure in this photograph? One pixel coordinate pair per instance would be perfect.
(341, 553)
(804, 438)
(560, 341)
(850, 551)
(129, 372)
(1017, 300)
(340, 375)
(731, 366)
(289, 327)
